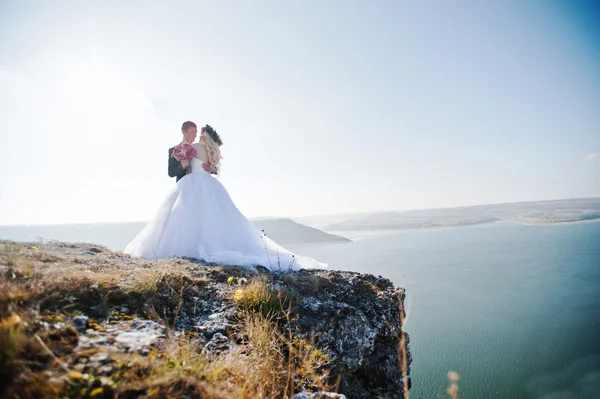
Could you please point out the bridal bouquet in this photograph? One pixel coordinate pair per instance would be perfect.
(184, 152)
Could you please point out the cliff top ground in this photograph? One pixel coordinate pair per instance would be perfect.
(81, 321)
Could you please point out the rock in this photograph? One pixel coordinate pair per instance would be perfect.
(86, 342)
(358, 322)
(329, 395)
(79, 367)
(141, 335)
(58, 382)
(80, 323)
(107, 369)
(355, 320)
(126, 336)
(218, 322)
(99, 357)
(319, 395)
(218, 343)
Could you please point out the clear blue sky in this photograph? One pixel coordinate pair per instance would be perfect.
(324, 106)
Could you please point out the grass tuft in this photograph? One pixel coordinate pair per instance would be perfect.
(260, 297)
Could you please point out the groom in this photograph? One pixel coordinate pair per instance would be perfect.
(176, 168)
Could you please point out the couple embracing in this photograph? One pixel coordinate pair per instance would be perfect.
(199, 220)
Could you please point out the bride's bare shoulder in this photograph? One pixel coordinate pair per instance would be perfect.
(200, 151)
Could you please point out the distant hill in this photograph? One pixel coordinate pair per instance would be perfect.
(320, 221)
(286, 231)
(535, 212)
(399, 221)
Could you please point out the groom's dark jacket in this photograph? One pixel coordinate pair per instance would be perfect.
(175, 167)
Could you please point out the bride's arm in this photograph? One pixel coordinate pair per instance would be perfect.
(206, 164)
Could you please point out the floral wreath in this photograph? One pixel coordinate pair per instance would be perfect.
(213, 134)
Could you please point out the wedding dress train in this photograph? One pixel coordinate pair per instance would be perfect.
(199, 220)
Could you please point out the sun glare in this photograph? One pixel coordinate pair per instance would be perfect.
(101, 95)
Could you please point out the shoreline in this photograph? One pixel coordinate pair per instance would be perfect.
(561, 223)
(597, 220)
(334, 231)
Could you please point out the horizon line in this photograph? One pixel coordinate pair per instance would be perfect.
(315, 215)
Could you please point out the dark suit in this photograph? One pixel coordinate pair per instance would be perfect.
(175, 167)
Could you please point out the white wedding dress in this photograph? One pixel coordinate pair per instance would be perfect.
(199, 220)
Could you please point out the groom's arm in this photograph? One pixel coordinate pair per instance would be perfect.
(175, 167)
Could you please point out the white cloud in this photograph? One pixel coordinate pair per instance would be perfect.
(592, 157)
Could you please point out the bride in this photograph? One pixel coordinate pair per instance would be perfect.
(199, 220)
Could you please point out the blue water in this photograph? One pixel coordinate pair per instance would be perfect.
(514, 309)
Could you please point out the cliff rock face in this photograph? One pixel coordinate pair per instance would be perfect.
(99, 322)
(358, 317)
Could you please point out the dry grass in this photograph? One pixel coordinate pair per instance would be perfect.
(41, 287)
(259, 296)
(308, 284)
(452, 390)
(73, 284)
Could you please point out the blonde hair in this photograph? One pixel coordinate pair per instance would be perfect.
(213, 152)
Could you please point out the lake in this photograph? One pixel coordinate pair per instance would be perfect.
(514, 309)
